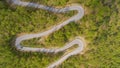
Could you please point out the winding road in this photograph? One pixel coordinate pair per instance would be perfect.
(78, 41)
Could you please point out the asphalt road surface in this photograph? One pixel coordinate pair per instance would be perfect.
(77, 41)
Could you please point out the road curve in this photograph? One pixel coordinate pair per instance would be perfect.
(77, 41)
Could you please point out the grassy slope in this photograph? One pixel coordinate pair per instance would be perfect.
(100, 26)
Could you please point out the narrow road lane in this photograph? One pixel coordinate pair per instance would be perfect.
(77, 41)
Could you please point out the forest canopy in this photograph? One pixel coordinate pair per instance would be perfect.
(100, 26)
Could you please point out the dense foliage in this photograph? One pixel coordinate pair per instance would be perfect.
(100, 27)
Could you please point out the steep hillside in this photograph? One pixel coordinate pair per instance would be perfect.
(100, 27)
